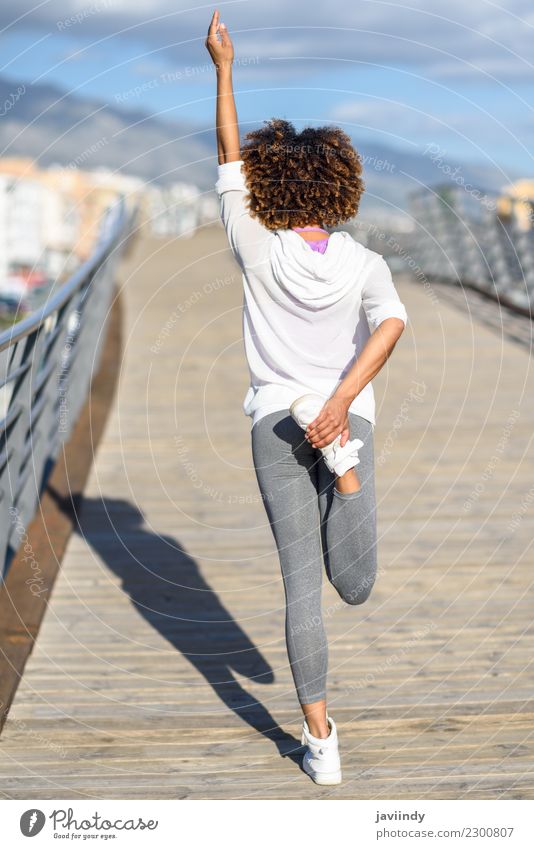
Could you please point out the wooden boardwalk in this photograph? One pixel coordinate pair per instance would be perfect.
(160, 670)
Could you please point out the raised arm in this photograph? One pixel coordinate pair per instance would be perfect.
(221, 50)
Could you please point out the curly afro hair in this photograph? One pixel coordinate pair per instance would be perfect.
(295, 179)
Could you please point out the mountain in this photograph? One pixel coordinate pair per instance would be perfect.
(52, 126)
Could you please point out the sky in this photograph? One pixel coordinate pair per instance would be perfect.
(454, 74)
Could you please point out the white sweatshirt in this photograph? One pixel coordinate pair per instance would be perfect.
(306, 315)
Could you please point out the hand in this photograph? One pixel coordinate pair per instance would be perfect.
(219, 43)
(331, 421)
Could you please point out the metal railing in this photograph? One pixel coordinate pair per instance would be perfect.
(47, 361)
(477, 238)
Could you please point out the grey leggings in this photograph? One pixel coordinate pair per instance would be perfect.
(313, 524)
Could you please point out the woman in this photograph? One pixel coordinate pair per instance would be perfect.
(321, 317)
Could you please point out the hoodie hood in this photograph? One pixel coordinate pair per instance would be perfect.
(313, 279)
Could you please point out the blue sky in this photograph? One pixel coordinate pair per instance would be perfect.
(447, 73)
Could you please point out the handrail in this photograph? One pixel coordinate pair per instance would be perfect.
(31, 322)
(477, 238)
(46, 364)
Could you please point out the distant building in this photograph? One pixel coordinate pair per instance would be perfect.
(51, 219)
(517, 203)
(21, 216)
(178, 209)
(71, 206)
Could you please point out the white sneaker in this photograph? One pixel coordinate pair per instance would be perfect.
(321, 761)
(339, 460)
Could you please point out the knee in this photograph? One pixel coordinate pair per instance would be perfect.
(355, 594)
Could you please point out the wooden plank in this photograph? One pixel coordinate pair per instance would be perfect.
(21, 611)
(122, 701)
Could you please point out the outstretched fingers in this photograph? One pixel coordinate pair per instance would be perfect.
(213, 27)
(214, 23)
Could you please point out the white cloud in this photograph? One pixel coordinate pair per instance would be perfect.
(503, 69)
(397, 121)
(400, 123)
(433, 37)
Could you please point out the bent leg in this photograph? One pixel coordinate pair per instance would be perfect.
(286, 470)
(349, 523)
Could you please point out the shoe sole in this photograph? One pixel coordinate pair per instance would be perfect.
(325, 778)
(294, 404)
(292, 407)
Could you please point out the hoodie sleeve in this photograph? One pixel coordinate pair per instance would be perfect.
(249, 240)
(380, 299)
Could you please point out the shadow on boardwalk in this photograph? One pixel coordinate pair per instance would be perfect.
(167, 588)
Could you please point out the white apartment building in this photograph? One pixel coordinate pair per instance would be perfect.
(179, 208)
(38, 226)
(21, 227)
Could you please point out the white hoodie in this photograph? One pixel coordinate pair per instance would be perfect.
(306, 315)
